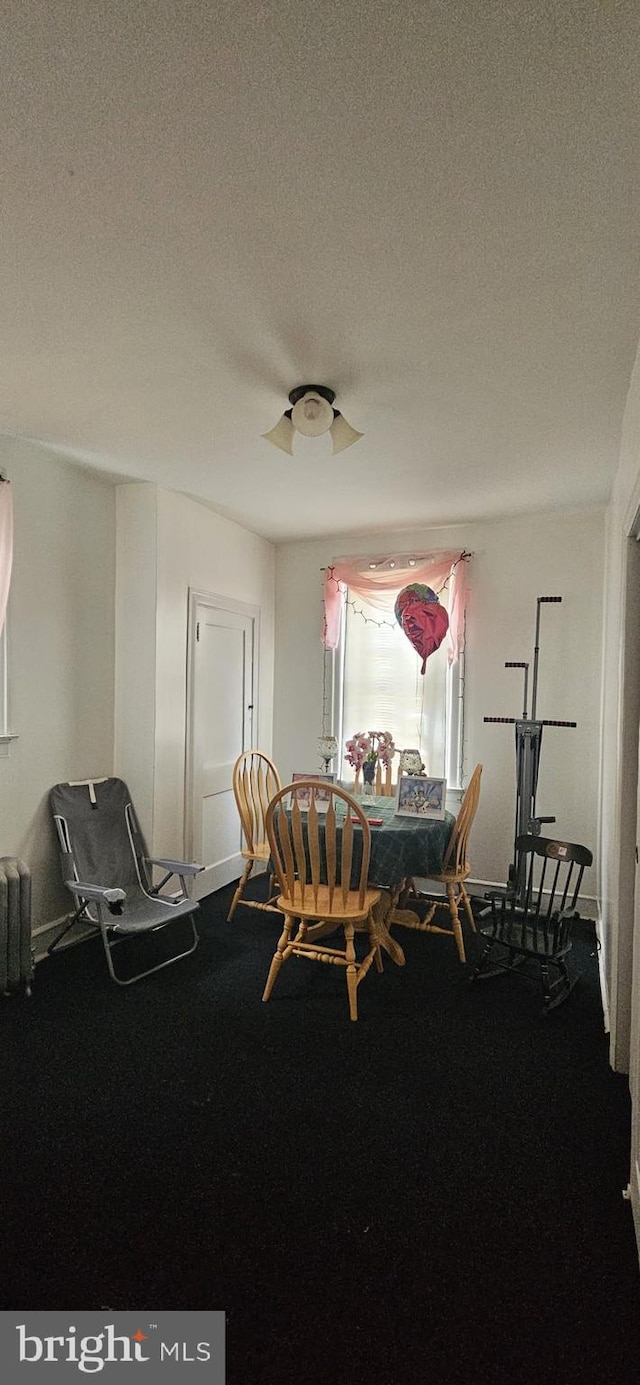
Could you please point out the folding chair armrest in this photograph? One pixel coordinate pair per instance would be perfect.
(176, 867)
(114, 899)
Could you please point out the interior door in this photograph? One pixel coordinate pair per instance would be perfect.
(221, 697)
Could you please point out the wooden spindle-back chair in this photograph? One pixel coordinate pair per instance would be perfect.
(455, 870)
(321, 861)
(255, 781)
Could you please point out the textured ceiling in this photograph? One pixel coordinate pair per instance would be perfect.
(431, 207)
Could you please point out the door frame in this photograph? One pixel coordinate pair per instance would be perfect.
(626, 953)
(621, 992)
(634, 1057)
(216, 602)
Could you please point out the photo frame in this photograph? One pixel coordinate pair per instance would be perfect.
(303, 796)
(421, 796)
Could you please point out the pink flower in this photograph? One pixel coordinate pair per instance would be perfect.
(377, 745)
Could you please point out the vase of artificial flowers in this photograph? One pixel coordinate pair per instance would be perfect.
(371, 753)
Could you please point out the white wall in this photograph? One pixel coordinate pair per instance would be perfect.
(61, 630)
(619, 768)
(60, 636)
(620, 904)
(167, 545)
(514, 562)
(135, 649)
(61, 627)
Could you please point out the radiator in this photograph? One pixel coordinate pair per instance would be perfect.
(16, 953)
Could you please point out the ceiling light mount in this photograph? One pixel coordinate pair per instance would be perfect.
(300, 390)
(312, 414)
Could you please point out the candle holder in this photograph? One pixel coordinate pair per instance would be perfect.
(327, 749)
(410, 762)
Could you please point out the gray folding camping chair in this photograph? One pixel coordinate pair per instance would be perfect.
(106, 867)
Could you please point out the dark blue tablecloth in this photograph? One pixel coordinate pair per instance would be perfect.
(402, 846)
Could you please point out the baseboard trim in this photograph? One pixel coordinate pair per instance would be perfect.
(587, 904)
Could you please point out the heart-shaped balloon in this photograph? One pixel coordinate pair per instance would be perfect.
(424, 621)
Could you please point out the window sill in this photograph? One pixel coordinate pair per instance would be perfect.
(5, 744)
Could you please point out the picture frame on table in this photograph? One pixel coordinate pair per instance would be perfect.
(303, 796)
(421, 796)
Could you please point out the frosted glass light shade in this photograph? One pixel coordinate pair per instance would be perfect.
(312, 415)
(342, 434)
(282, 435)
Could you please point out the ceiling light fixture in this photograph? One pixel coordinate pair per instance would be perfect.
(312, 414)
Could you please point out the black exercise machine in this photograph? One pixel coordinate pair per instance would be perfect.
(528, 746)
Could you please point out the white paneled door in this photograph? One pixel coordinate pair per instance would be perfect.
(222, 682)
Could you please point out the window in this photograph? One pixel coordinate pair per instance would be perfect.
(378, 686)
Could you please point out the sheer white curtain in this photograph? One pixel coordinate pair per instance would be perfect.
(383, 689)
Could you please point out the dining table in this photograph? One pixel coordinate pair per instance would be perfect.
(403, 848)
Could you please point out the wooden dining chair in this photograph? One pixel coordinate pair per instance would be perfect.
(255, 781)
(382, 785)
(323, 886)
(455, 870)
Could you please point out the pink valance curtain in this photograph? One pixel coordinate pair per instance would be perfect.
(378, 586)
(6, 545)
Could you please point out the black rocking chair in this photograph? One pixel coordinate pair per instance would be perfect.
(534, 935)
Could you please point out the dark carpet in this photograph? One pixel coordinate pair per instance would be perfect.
(433, 1193)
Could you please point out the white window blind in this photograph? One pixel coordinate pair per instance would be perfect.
(383, 689)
